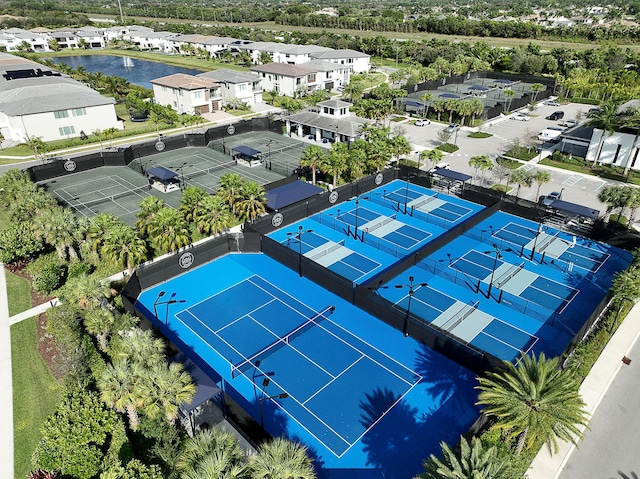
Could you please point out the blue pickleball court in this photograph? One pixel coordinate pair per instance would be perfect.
(328, 358)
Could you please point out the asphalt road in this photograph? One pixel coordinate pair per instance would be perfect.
(576, 188)
(610, 449)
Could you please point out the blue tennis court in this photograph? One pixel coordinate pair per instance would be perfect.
(552, 245)
(371, 223)
(328, 359)
(467, 322)
(335, 256)
(515, 279)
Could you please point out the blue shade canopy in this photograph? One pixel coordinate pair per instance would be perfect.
(246, 151)
(575, 209)
(449, 95)
(412, 103)
(478, 87)
(290, 193)
(505, 82)
(162, 173)
(453, 175)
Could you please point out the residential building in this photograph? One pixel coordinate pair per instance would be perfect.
(333, 123)
(287, 79)
(36, 101)
(235, 84)
(358, 61)
(187, 93)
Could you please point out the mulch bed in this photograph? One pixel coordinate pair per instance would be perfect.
(47, 345)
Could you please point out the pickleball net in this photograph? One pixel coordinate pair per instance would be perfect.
(80, 205)
(248, 363)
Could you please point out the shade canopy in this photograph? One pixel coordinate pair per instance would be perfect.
(246, 151)
(162, 173)
(290, 193)
(206, 387)
(575, 209)
(453, 175)
(449, 95)
(478, 88)
(505, 82)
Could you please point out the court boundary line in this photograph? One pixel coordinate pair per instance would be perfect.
(504, 342)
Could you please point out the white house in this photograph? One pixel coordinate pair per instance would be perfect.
(13, 38)
(187, 93)
(287, 79)
(36, 101)
(65, 37)
(334, 123)
(330, 76)
(358, 61)
(234, 84)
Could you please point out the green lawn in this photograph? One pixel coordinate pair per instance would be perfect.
(34, 394)
(18, 293)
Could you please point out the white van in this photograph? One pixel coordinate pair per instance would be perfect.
(549, 134)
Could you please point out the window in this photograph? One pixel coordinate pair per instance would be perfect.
(79, 111)
(67, 130)
(198, 94)
(61, 114)
(242, 87)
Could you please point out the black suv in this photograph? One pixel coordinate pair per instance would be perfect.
(556, 115)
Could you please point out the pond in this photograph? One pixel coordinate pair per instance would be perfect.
(135, 71)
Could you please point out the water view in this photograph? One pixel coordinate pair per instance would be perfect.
(135, 71)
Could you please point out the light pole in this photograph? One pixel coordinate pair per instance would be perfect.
(541, 228)
(155, 304)
(355, 232)
(406, 191)
(181, 168)
(298, 235)
(269, 147)
(411, 285)
(171, 300)
(496, 250)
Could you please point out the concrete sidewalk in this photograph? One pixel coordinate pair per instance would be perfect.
(593, 390)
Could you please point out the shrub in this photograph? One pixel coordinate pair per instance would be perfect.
(49, 278)
(448, 147)
(479, 134)
(78, 269)
(17, 242)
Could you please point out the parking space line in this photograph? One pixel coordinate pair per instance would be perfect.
(572, 180)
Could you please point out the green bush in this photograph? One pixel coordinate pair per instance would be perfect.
(479, 134)
(585, 101)
(78, 269)
(48, 278)
(508, 163)
(17, 242)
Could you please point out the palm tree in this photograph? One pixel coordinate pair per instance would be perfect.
(124, 247)
(535, 89)
(353, 91)
(434, 156)
(38, 146)
(479, 161)
(281, 459)
(426, 98)
(229, 186)
(509, 94)
(469, 461)
(613, 196)
(477, 108)
(212, 215)
(541, 177)
(149, 207)
(211, 454)
(357, 161)
(32, 202)
(336, 161)
(312, 157)
(536, 402)
(607, 119)
(58, 228)
(252, 201)
(168, 230)
(85, 291)
(99, 322)
(521, 177)
(189, 200)
(399, 145)
(99, 227)
(141, 348)
(118, 389)
(167, 386)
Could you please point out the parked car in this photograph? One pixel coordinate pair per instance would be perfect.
(421, 122)
(552, 103)
(440, 166)
(569, 123)
(594, 111)
(556, 115)
(453, 127)
(520, 117)
(551, 197)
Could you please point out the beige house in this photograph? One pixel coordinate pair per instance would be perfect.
(188, 94)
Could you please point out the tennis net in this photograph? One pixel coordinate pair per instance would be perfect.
(213, 169)
(327, 250)
(78, 205)
(546, 242)
(420, 204)
(380, 223)
(460, 316)
(249, 363)
(507, 275)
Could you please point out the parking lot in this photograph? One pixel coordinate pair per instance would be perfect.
(577, 188)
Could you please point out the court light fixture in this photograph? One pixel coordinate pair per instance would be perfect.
(498, 256)
(355, 231)
(262, 399)
(155, 304)
(411, 286)
(298, 235)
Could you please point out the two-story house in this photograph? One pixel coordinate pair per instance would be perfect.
(285, 79)
(243, 86)
(187, 93)
(358, 61)
(333, 123)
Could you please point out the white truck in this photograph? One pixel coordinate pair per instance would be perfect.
(550, 134)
